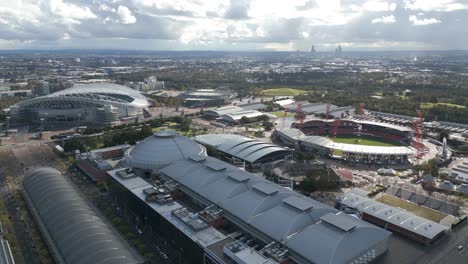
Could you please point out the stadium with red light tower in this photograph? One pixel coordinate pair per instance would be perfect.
(338, 133)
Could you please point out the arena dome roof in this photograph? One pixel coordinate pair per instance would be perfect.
(160, 150)
(100, 93)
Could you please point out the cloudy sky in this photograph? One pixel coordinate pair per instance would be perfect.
(234, 24)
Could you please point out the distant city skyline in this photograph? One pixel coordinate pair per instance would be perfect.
(235, 25)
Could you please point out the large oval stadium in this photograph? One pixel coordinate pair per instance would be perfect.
(97, 104)
(361, 141)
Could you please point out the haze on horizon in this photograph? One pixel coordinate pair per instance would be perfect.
(234, 24)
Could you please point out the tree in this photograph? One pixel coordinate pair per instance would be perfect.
(244, 120)
(443, 134)
(267, 125)
(428, 167)
(73, 144)
(263, 118)
(185, 124)
(145, 132)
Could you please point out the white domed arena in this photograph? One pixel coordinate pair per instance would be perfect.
(96, 104)
(163, 148)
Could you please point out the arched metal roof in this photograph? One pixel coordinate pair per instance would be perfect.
(240, 147)
(76, 231)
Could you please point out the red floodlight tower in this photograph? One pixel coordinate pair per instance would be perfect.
(336, 124)
(421, 121)
(418, 127)
(299, 114)
(361, 110)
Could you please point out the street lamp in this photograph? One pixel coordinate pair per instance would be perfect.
(78, 122)
(41, 128)
(7, 126)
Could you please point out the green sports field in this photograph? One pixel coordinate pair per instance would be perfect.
(418, 210)
(280, 114)
(367, 141)
(431, 105)
(282, 92)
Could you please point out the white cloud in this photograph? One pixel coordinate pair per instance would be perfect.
(436, 5)
(218, 24)
(106, 8)
(126, 15)
(384, 20)
(70, 11)
(196, 8)
(424, 21)
(378, 6)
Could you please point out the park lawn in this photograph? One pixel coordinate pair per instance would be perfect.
(282, 92)
(366, 141)
(280, 114)
(421, 211)
(431, 105)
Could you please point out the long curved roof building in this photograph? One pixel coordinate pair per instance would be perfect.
(97, 103)
(160, 150)
(73, 230)
(243, 148)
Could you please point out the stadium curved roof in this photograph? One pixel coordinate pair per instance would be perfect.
(243, 148)
(314, 232)
(77, 233)
(95, 92)
(160, 150)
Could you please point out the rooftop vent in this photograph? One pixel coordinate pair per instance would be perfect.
(339, 221)
(238, 176)
(125, 174)
(298, 203)
(265, 188)
(216, 166)
(165, 133)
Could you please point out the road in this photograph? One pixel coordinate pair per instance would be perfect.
(20, 228)
(447, 251)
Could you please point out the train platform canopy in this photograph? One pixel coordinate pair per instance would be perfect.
(312, 231)
(398, 217)
(241, 147)
(75, 231)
